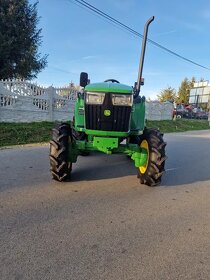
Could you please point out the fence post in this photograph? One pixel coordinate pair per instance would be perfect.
(51, 91)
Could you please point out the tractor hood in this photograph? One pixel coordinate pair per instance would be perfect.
(109, 87)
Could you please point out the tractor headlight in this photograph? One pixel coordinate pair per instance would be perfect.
(122, 99)
(95, 97)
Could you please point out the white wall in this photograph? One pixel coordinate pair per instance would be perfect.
(21, 101)
(156, 110)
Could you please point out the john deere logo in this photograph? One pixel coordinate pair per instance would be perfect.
(107, 113)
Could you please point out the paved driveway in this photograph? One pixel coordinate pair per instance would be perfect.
(103, 224)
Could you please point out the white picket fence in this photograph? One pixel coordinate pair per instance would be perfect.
(23, 101)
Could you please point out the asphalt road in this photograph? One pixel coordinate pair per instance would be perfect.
(104, 224)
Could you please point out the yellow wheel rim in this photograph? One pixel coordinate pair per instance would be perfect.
(143, 168)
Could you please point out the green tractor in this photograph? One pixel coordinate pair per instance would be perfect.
(109, 117)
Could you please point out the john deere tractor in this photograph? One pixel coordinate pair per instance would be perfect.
(109, 117)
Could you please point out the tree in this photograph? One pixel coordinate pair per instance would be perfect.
(193, 80)
(19, 40)
(183, 92)
(168, 94)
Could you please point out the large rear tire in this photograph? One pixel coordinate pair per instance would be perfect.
(59, 149)
(151, 172)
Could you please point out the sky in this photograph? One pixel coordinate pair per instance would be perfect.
(76, 40)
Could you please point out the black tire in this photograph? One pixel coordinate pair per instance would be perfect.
(59, 149)
(156, 159)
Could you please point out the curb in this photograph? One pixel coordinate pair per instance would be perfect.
(24, 146)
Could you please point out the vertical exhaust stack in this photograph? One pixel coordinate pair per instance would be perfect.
(141, 63)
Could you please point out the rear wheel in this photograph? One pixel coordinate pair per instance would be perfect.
(59, 149)
(151, 172)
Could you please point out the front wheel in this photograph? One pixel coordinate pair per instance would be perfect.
(151, 172)
(59, 149)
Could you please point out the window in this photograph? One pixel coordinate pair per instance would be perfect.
(199, 95)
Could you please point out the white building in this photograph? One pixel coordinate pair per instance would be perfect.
(200, 95)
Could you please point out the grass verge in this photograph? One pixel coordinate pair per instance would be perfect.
(24, 133)
(179, 125)
(38, 132)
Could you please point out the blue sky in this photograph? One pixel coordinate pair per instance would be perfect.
(77, 40)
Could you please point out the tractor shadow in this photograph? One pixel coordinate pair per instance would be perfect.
(187, 163)
(98, 166)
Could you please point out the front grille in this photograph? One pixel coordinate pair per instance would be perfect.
(117, 121)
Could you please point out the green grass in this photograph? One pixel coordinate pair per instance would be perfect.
(24, 133)
(38, 132)
(179, 125)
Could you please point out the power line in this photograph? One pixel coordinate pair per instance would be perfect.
(112, 20)
(106, 16)
(91, 11)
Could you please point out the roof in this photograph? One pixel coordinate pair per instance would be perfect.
(109, 87)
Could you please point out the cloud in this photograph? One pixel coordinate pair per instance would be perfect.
(59, 69)
(190, 26)
(206, 14)
(164, 33)
(184, 24)
(89, 57)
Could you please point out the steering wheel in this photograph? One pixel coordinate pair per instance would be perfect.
(111, 80)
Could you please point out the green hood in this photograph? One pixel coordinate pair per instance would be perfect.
(109, 87)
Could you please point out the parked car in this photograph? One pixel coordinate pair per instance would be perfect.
(200, 114)
(190, 112)
(181, 112)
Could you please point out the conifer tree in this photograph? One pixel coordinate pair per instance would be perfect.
(168, 94)
(19, 40)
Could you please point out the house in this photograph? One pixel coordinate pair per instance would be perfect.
(200, 95)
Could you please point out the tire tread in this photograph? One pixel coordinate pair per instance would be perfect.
(155, 170)
(59, 146)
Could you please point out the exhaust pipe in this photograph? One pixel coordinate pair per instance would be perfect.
(141, 63)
